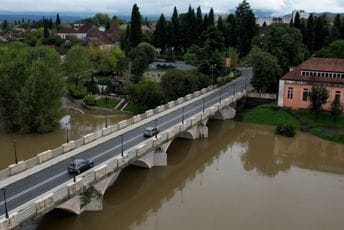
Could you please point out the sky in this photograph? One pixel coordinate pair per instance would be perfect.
(154, 7)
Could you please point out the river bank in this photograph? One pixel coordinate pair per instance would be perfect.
(322, 126)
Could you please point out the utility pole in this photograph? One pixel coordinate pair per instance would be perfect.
(15, 151)
(5, 201)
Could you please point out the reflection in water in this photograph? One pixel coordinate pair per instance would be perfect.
(242, 177)
(28, 145)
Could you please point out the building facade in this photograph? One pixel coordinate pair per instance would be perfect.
(294, 87)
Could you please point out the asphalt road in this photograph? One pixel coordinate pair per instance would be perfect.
(41, 182)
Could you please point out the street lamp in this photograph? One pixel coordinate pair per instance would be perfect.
(5, 201)
(15, 150)
(106, 103)
(203, 103)
(156, 126)
(234, 88)
(67, 134)
(212, 67)
(122, 145)
(220, 96)
(183, 116)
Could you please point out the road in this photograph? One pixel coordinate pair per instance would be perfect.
(41, 182)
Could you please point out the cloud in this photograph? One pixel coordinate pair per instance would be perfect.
(153, 7)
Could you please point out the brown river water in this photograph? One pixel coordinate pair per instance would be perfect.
(242, 177)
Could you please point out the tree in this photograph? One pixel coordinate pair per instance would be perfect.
(230, 36)
(135, 27)
(160, 35)
(310, 33)
(335, 32)
(211, 17)
(175, 31)
(266, 70)
(199, 22)
(246, 27)
(30, 88)
(289, 51)
(333, 50)
(77, 65)
(318, 97)
(5, 26)
(46, 28)
(297, 21)
(321, 32)
(147, 94)
(58, 20)
(336, 109)
(233, 55)
(143, 55)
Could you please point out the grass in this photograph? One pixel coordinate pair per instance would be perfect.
(111, 103)
(322, 126)
(270, 115)
(323, 120)
(133, 108)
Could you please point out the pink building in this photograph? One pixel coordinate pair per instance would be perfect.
(295, 85)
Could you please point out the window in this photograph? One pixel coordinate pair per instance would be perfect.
(290, 92)
(305, 94)
(337, 95)
(323, 74)
(326, 74)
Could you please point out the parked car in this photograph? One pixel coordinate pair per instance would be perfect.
(150, 131)
(78, 166)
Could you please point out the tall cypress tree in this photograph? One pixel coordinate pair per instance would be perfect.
(230, 36)
(175, 32)
(205, 23)
(220, 25)
(58, 20)
(336, 28)
(321, 32)
(46, 28)
(211, 17)
(199, 21)
(135, 27)
(160, 34)
(310, 33)
(246, 27)
(297, 21)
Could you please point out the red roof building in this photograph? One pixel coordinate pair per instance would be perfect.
(295, 86)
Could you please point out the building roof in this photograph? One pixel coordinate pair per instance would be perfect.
(163, 65)
(324, 64)
(83, 29)
(319, 65)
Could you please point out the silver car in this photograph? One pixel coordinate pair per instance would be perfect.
(150, 131)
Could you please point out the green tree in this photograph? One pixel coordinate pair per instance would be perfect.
(147, 94)
(199, 23)
(333, 50)
(46, 28)
(336, 109)
(297, 21)
(211, 17)
(135, 36)
(310, 33)
(143, 55)
(58, 20)
(5, 26)
(266, 70)
(77, 65)
(246, 27)
(30, 88)
(335, 32)
(233, 55)
(289, 51)
(160, 34)
(230, 36)
(318, 97)
(321, 31)
(175, 29)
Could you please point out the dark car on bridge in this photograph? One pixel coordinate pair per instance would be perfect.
(79, 165)
(150, 131)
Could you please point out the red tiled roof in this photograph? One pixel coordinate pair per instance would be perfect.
(317, 64)
(324, 64)
(84, 29)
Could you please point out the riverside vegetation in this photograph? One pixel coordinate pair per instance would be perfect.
(321, 125)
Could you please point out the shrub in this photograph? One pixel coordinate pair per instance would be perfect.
(90, 100)
(77, 92)
(285, 130)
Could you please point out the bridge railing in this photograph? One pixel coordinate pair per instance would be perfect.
(45, 156)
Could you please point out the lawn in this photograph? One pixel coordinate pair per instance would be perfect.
(133, 108)
(323, 120)
(270, 115)
(111, 103)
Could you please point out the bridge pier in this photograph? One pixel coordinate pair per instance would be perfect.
(156, 158)
(226, 113)
(199, 131)
(91, 199)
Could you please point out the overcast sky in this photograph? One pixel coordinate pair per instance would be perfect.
(155, 7)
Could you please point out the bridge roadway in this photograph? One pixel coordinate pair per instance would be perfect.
(47, 179)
